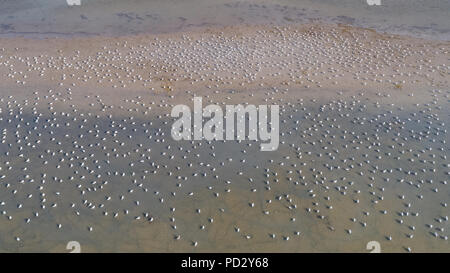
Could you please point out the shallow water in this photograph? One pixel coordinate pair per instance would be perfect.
(312, 170)
(47, 18)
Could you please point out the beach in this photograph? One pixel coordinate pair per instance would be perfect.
(86, 152)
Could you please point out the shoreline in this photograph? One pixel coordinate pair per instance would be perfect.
(60, 36)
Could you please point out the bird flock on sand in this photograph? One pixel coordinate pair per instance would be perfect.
(86, 152)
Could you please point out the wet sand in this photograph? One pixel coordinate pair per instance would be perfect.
(86, 152)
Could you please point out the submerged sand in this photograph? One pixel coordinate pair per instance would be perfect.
(86, 152)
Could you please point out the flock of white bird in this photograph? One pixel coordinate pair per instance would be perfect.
(352, 166)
